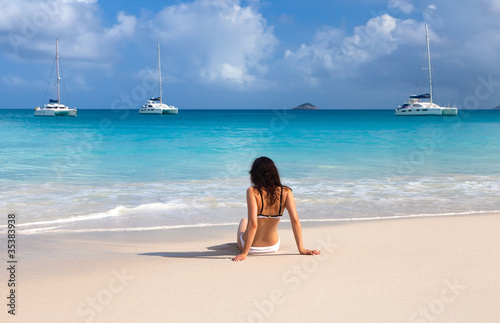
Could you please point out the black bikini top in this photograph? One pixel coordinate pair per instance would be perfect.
(262, 207)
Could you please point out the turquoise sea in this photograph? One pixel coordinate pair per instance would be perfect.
(114, 170)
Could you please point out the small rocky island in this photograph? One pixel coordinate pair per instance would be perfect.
(306, 106)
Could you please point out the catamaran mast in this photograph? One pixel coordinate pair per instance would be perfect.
(57, 68)
(159, 68)
(429, 64)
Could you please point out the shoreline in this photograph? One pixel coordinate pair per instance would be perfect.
(50, 230)
(415, 270)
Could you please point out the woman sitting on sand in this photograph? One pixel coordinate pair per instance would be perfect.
(267, 199)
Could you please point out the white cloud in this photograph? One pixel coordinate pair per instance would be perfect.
(404, 5)
(10, 79)
(125, 28)
(28, 29)
(492, 5)
(78, 1)
(333, 53)
(227, 72)
(432, 16)
(372, 40)
(217, 40)
(211, 40)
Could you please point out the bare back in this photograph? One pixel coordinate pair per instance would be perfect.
(268, 219)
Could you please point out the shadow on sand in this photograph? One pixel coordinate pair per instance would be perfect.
(222, 251)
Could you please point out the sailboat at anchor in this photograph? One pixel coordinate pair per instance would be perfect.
(422, 105)
(55, 108)
(155, 105)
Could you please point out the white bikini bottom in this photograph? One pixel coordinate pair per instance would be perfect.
(273, 248)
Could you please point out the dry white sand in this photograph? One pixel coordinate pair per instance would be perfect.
(444, 269)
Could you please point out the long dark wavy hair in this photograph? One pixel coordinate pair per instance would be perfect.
(264, 176)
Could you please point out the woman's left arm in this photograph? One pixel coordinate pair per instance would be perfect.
(251, 226)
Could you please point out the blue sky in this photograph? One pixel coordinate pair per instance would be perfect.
(249, 54)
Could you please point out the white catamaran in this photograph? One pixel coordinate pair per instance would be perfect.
(55, 108)
(422, 105)
(155, 105)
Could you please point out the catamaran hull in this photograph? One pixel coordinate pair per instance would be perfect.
(414, 112)
(450, 111)
(151, 111)
(44, 113)
(55, 113)
(155, 108)
(170, 111)
(427, 112)
(66, 113)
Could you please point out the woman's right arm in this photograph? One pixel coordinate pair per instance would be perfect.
(296, 227)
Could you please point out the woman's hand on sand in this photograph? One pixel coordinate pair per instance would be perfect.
(240, 257)
(309, 252)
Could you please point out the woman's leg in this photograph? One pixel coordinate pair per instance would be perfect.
(241, 229)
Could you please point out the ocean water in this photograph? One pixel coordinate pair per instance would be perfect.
(116, 170)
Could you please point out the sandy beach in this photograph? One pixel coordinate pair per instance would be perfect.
(440, 269)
